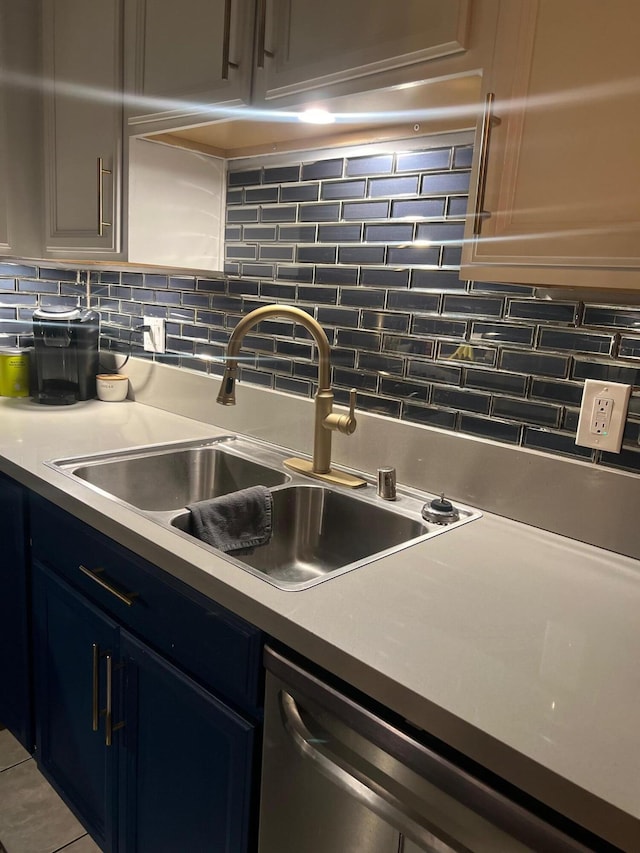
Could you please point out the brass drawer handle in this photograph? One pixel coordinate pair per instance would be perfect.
(95, 682)
(101, 173)
(226, 42)
(262, 34)
(109, 727)
(108, 708)
(125, 597)
(488, 121)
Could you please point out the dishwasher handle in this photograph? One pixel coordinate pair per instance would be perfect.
(361, 787)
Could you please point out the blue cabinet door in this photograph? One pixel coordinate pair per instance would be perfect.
(186, 772)
(15, 673)
(73, 642)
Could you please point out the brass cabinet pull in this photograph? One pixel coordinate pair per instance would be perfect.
(109, 727)
(488, 121)
(262, 33)
(108, 730)
(95, 687)
(226, 42)
(125, 597)
(101, 221)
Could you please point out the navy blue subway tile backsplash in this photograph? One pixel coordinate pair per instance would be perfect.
(370, 245)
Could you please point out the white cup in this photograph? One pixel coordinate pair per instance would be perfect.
(112, 387)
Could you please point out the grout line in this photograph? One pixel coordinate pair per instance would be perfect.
(66, 846)
(17, 764)
(57, 849)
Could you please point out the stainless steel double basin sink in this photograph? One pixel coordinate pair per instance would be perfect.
(319, 531)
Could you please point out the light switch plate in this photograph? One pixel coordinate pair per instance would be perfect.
(603, 414)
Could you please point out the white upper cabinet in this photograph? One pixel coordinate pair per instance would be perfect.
(183, 56)
(5, 243)
(176, 207)
(104, 202)
(302, 45)
(20, 131)
(201, 61)
(561, 169)
(83, 127)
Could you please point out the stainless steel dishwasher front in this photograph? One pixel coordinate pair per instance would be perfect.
(336, 778)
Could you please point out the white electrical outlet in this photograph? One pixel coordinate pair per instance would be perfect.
(603, 414)
(153, 340)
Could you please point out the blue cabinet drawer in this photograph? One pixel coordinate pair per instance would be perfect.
(207, 641)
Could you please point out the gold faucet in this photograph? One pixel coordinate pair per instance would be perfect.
(326, 420)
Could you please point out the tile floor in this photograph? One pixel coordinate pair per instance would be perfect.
(33, 818)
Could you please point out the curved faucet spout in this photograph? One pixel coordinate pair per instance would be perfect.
(325, 420)
(286, 312)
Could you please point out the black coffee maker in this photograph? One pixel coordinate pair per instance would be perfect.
(66, 354)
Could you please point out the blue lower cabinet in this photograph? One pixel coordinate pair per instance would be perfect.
(149, 760)
(73, 642)
(15, 654)
(214, 646)
(187, 762)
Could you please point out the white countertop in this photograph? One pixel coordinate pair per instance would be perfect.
(516, 646)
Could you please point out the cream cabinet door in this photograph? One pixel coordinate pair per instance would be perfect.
(184, 56)
(20, 131)
(5, 245)
(303, 45)
(562, 193)
(83, 127)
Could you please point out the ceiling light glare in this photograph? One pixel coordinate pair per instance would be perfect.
(317, 115)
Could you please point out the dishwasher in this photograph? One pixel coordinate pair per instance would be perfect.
(337, 778)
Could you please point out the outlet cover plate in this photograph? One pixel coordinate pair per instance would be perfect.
(603, 414)
(153, 340)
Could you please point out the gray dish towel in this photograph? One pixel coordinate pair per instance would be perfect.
(234, 523)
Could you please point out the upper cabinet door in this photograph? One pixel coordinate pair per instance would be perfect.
(562, 196)
(5, 245)
(303, 45)
(83, 125)
(184, 56)
(20, 130)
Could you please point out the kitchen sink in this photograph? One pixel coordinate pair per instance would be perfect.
(318, 531)
(164, 479)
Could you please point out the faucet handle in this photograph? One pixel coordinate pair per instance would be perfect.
(352, 410)
(348, 423)
(344, 423)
